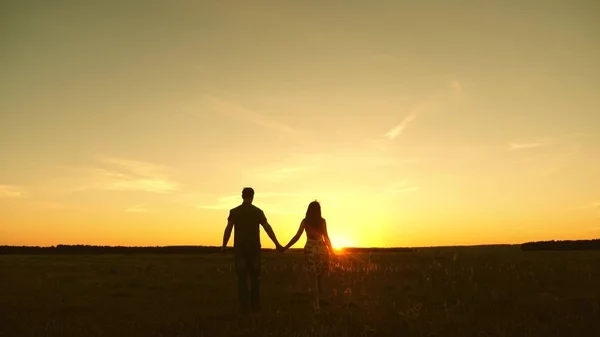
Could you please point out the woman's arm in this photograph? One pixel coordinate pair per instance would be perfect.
(296, 237)
(326, 237)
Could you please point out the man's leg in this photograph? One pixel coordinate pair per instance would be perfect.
(241, 268)
(255, 269)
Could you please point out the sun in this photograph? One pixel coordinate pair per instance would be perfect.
(340, 242)
(338, 249)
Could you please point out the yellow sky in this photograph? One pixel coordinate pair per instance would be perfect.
(413, 122)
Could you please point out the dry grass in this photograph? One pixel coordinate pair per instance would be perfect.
(444, 292)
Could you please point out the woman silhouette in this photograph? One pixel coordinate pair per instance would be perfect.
(317, 248)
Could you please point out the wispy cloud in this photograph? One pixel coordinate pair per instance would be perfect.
(562, 160)
(434, 102)
(398, 129)
(563, 153)
(402, 187)
(7, 191)
(134, 167)
(120, 174)
(230, 108)
(269, 202)
(147, 185)
(48, 205)
(293, 169)
(531, 158)
(456, 85)
(226, 202)
(136, 209)
(284, 173)
(593, 206)
(588, 205)
(521, 145)
(406, 189)
(382, 58)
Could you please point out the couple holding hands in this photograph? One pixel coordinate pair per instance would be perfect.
(247, 219)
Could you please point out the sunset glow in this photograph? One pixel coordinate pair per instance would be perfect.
(340, 242)
(410, 126)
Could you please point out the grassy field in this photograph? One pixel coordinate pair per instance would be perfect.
(433, 292)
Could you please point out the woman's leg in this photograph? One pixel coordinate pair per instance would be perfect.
(319, 285)
(315, 290)
(312, 266)
(323, 269)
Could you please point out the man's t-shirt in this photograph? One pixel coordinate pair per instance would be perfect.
(247, 219)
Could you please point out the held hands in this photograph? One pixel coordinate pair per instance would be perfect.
(281, 249)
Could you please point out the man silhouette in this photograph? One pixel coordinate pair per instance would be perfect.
(247, 219)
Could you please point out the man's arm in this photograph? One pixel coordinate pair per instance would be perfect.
(227, 233)
(269, 230)
(271, 234)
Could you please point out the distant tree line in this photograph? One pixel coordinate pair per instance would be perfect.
(552, 245)
(89, 249)
(379, 250)
(562, 245)
(368, 250)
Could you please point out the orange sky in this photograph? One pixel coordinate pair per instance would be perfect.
(413, 124)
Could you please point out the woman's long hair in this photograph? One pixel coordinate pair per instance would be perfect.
(313, 215)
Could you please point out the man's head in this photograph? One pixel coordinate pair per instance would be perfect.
(248, 194)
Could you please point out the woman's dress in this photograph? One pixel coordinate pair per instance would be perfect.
(316, 255)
